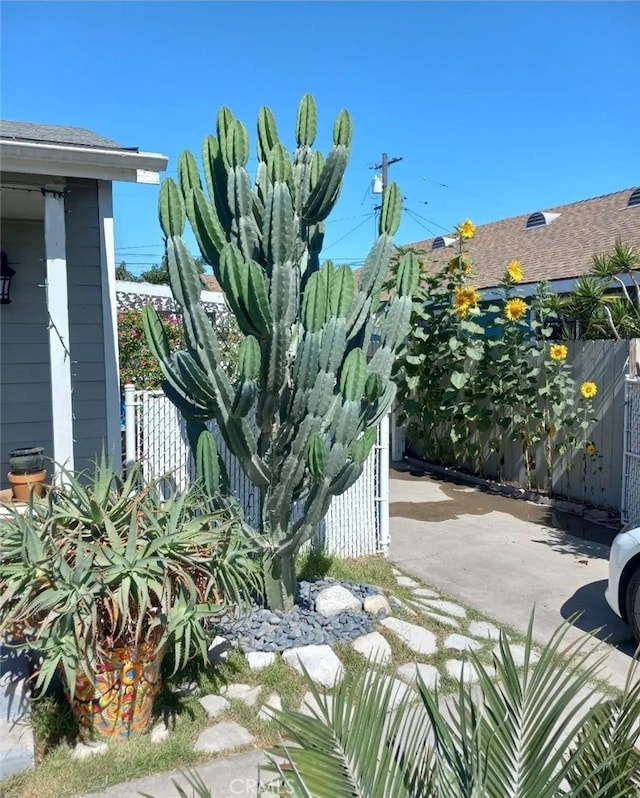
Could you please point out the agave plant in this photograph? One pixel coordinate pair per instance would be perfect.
(527, 735)
(106, 564)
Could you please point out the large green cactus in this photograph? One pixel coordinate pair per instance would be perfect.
(302, 413)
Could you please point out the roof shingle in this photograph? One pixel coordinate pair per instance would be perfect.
(57, 134)
(561, 249)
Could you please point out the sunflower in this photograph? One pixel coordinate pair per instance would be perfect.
(466, 298)
(588, 390)
(467, 229)
(590, 449)
(459, 262)
(514, 271)
(558, 352)
(515, 309)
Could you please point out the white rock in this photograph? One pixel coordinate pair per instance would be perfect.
(458, 669)
(272, 702)
(374, 647)
(517, 652)
(406, 581)
(461, 643)
(396, 603)
(428, 673)
(373, 604)
(310, 707)
(424, 592)
(448, 607)
(247, 693)
(399, 689)
(87, 750)
(396, 572)
(260, 659)
(214, 705)
(445, 620)
(219, 649)
(336, 599)
(320, 662)
(222, 737)
(417, 638)
(159, 733)
(484, 629)
(187, 689)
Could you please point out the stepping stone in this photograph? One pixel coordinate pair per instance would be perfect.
(219, 649)
(247, 693)
(417, 638)
(83, 751)
(310, 707)
(320, 662)
(424, 592)
(396, 572)
(428, 673)
(399, 689)
(373, 605)
(517, 652)
(272, 702)
(336, 599)
(400, 605)
(461, 643)
(484, 629)
(406, 581)
(445, 620)
(458, 670)
(214, 705)
(260, 659)
(159, 733)
(223, 737)
(374, 647)
(187, 689)
(447, 607)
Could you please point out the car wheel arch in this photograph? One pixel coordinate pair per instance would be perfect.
(629, 569)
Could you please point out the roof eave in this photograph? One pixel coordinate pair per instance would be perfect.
(68, 161)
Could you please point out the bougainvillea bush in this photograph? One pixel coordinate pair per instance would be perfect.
(477, 379)
(139, 367)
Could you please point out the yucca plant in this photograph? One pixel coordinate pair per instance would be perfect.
(105, 574)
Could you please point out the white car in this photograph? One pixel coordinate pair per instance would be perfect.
(623, 590)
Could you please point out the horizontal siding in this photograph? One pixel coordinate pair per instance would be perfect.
(86, 331)
(25, 385)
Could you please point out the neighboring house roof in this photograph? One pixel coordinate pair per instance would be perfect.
(212, 284)
(57, 134)
(561, 248)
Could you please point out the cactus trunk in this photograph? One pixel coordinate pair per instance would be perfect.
(301, 412)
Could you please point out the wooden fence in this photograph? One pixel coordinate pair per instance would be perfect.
(594, 480)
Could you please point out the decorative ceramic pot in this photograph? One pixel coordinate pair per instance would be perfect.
(23, 484)
(26, 461)
(119, 701)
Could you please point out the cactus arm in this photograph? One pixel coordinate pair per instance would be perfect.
(267, 133)
(240, 200)
(216, 177)
(206, 227)
(324, 194)
(171, 210)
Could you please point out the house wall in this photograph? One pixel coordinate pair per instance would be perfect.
(25, 386)
(86, 330)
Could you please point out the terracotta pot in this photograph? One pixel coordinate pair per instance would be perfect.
(23, 484)
(119, 701)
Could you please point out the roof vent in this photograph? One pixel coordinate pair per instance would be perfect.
(634, 199)
(541, 219)
(442, 241)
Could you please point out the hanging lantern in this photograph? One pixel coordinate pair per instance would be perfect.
(6, 274)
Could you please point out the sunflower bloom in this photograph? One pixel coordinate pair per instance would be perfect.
(514, 271)
(466, 298)
(590, 449)
(515, 309)
(467, 229)
(558, 352)
(459, 262)
(588, 390)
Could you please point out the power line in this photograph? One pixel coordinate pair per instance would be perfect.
(470, 194)
(430, 221)
(364, 221)
(416, 219)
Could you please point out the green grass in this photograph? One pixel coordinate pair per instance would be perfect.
(58, 775)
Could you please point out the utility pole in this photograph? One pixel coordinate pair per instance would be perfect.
(386, 163)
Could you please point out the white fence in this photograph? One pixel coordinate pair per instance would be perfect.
(357, 524)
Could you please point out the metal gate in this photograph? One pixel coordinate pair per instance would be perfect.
(357, 524)
(630, 505)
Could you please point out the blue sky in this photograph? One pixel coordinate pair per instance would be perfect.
(514, 107)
